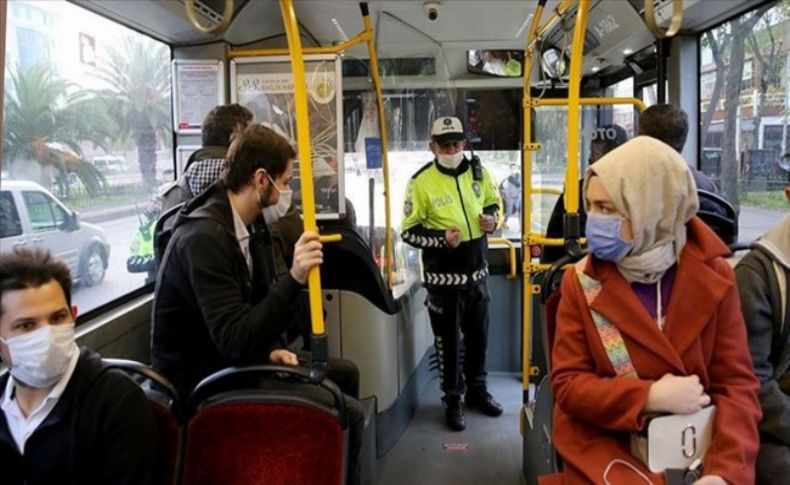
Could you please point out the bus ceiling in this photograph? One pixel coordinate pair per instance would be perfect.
(410, 28)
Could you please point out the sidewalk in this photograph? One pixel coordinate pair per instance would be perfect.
(110, 213)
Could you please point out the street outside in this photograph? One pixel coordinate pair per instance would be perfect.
(118, 281)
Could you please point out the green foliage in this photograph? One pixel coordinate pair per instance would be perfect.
(137, 96)
(43, 115)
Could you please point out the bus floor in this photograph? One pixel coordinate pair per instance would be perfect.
(488, 451)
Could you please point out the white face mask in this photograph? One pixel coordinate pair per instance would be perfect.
(40, 358)
(277, 211)
(450, 161)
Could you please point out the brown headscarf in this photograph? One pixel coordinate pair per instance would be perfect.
(652, 186)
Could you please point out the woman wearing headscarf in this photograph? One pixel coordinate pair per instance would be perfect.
(657, 274)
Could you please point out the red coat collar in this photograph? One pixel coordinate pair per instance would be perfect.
(697, 292)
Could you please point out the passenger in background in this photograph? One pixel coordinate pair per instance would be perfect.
(206, 164)
(763, 278)
(510, 191)
(604, 139)
(65, 417)
(217, 301)
(451, 205)
(671, 125)
(650, 322)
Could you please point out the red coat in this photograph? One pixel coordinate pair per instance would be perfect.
(704, 334)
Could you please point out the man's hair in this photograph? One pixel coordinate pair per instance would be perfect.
(666, 123)
(222, 121)
(32, 268)
(605, 139)
(253, 148)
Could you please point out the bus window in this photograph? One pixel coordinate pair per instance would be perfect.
(76, 65)
(743, 113)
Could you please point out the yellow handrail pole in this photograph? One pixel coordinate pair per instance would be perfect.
(305, 159)
(376, 79)
(526, 201)
(511, 253)
(636, 102)
(541, 31)
(574, 86)
(334, 49)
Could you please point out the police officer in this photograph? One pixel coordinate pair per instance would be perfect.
(451, 203)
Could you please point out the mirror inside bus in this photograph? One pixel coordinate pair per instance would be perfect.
(497, 63)
(554, 63)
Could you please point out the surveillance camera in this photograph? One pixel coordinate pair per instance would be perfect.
(431, 10)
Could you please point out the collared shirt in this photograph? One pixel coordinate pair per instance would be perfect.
(21, 427)
(243, 236)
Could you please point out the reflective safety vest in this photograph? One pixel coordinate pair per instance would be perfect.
(438, 198)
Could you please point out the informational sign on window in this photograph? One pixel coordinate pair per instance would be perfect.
(265, 86)
(198, 86)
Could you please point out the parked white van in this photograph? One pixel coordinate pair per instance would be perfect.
(31, 217)
(110, 164)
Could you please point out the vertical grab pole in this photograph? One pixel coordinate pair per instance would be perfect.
(376, 79)
(574, 86)
(526, 204)
(319, 348)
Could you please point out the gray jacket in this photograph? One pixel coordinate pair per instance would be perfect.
(762, 277)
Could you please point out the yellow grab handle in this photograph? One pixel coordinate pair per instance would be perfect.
(330, 238)
(511, 253)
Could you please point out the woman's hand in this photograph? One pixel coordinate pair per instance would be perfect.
(676, 395)
(711, 480)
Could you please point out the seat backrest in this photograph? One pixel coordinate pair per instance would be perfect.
(349, 265)
(550, 296)
(163, 231)
(166, 407)
(719, 215)
(252, 427)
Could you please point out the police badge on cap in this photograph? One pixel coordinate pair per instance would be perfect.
(447, 129)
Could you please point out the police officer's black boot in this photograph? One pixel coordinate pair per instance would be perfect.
(454, 412)
(484, 402)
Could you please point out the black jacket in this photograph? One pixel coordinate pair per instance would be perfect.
(208, 313)
(101, 431)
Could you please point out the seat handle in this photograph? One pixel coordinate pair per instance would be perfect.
(330, 238)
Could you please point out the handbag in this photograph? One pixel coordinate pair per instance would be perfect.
(669, 441)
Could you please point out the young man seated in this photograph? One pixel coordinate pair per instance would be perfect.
(763, 278)
(65, 417)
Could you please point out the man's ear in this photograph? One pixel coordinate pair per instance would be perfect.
(74, 312)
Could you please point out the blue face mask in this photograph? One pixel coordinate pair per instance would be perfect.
(604, 239)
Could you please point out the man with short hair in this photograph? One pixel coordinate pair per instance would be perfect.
(217, 300)
(66, 418)
(451, 205)
(670, 124)
(763, 278)
(207, 163)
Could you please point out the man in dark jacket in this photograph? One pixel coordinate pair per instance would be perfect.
(763, 278)
(65, 417)
(205, 165)
(670, 124)
(217, 301)
(604, 139)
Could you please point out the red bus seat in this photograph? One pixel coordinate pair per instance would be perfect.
(252, 429)
(166, 407)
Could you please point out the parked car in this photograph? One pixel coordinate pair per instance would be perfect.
(30, 216)
(110, 164)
